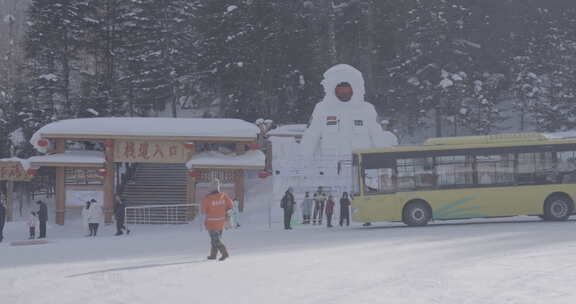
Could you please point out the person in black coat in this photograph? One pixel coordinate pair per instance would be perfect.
(119, 212)
(288, 204)
(2, 220)
(42, 218)
(345, 209)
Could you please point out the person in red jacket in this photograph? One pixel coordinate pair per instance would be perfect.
(215, 205)
(329, 210)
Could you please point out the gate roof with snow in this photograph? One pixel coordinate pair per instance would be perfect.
(212, 129)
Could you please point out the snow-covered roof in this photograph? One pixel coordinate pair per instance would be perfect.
(253, 159)
(560, 135)
(288, 130)
(70, 158)
(149, 127)
(24, 162)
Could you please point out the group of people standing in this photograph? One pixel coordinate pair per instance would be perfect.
(38, 219)
(321, 203)
(93, 215)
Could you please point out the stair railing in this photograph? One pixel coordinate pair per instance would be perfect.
(126, 177)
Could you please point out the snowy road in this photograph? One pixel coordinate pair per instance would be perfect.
(523, 261)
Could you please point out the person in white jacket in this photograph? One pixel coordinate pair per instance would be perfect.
(95, 216)
(85, 214)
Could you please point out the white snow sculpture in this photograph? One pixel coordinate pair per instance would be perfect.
(341, 123)
(340, 126)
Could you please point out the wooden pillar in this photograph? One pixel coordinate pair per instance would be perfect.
(191, 182)
(9, 201)
(239, 179)
(109, 184)
(60, 188)
(191, 195)
(239, 188)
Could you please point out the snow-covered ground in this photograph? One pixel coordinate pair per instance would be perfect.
(513, 260)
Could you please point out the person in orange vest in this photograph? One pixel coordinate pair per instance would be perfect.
(215, 205)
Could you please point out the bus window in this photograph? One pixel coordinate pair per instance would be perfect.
(495, 169)
(416, 173)
(455, 171)
(567, 166)
(379, 180)
(378, 174)
(536, 168)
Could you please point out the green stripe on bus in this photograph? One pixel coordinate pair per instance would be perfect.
(451, 206)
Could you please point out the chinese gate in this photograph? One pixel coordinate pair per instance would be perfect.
(147, 140)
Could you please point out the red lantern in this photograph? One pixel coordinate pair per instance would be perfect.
(254, 146)
(42, 143)
(263, 174)
(31, 171)
(108, 144)
(102, 172)
(194, 173)
(189, 145)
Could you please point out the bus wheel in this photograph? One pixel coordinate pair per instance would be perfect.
(558, 208)
(416, 214)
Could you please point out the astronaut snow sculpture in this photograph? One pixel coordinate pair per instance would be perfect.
(343, 121)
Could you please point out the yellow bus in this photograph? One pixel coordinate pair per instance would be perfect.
(467, 177)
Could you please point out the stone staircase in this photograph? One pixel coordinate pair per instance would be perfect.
(156, 184)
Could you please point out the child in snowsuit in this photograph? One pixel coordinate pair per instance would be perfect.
(232, 216)
(32, 223)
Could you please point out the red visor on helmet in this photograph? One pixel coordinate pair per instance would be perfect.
(344, 92)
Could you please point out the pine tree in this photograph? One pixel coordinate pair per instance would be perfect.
(257, 55)
(159, 45)
(104, 26)
(556, 109)
(52, 44)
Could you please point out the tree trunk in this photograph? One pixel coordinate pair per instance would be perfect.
(331, 32)
(438, 119)
(67, 111)
(367, 47)
(522, 115)
(174, 101)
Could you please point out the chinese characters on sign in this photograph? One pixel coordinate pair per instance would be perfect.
(150, 152)
(13, 171)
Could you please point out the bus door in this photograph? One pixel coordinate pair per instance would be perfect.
(378, 201)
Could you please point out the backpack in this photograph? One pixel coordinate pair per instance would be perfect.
(283, 203)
